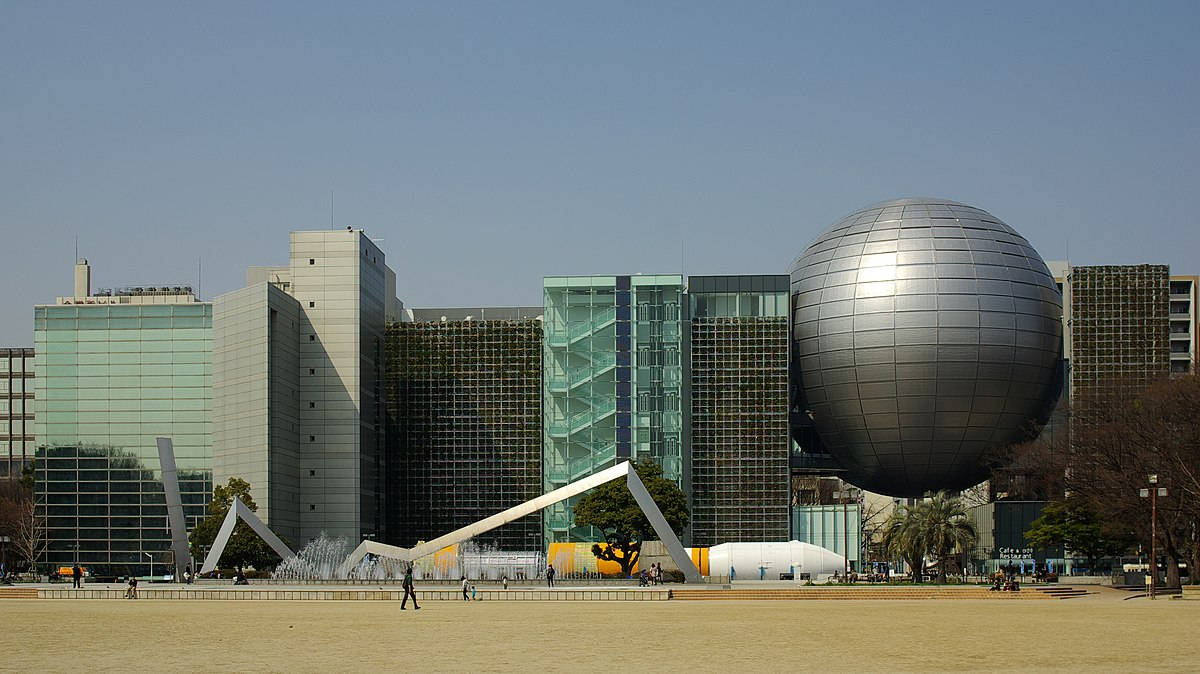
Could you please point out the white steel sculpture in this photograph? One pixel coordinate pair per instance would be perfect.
(175, 520)
(623, 470)
(238, 509)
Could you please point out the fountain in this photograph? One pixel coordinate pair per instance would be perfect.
(320, 559)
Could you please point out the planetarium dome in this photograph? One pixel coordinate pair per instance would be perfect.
(925, 333)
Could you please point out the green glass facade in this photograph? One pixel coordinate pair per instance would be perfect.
(613, 381)
(109, 380)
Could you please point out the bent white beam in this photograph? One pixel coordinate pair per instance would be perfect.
(175, 520)
(236, 510)
(678, 554)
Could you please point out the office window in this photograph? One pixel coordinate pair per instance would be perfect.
(311, 261)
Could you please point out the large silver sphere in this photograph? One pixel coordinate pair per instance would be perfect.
(926, 333)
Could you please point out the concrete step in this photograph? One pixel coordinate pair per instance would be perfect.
(18, 593)
(852, 593)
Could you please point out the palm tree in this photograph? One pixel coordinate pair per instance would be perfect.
(944, 528)
(902, 536)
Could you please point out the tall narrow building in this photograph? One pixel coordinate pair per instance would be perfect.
(16, 410)
(613, 381)
(739, 408)
(311, 430)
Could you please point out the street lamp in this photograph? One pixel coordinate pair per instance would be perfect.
(151, 565)
(1153, 492)
(845, 495)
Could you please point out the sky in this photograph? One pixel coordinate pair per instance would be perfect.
(485, 145)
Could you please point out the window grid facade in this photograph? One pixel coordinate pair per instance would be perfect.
(739, 416)
(109, 380)
(1120, 330)
(465, 405)
(16, 410)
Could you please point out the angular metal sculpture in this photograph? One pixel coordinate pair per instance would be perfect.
(170, 479)
(623, 470)
(236, 510)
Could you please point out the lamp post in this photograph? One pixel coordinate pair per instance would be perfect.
(151, 565)
(845, 495)
(1153, 492)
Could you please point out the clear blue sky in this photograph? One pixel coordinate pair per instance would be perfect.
(490, 144)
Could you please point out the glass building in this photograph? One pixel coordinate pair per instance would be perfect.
(739, 408)
(113, 372)
(612, 382)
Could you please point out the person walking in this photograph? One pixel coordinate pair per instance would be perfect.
(408, 589)
(77, 576)
(504, 581)
(550, 575)
(466, 589)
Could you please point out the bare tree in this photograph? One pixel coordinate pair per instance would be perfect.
(1120, 437)
(30, 539)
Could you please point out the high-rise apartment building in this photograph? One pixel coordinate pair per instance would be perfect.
(16, 410)
(739, 408)
(114, 370)
(1183, 317)
(312, 427)
(613, 381)
(463, 390)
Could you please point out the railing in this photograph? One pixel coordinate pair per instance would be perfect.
(584, 419)
(601, 362)
(579, 329)
(586, 465)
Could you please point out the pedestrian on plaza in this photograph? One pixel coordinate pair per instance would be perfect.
(550, 575)
(504, 581)
(473, 597)
(408, 589)
(77, 576)
(131, 591)
(466, 589)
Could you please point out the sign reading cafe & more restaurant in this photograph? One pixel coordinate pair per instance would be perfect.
(1015, 554)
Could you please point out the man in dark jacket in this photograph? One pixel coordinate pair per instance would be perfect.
(408, 589)
(77, 575)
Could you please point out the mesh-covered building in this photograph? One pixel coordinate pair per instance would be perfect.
(739, 408)
(1120, 329)
(464, 411)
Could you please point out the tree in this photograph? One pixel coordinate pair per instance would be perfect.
(30, 539)
(1124, 433)
(1075, 525)
(944, 527)
(245, 548)
(612, 509)
(902, 537)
